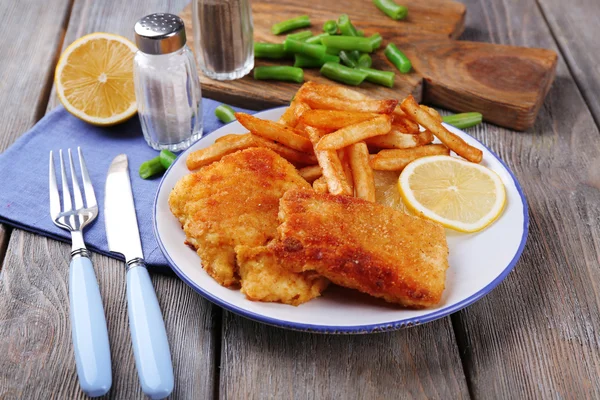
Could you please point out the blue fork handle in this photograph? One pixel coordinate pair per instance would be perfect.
(148, 334)
(88, 329)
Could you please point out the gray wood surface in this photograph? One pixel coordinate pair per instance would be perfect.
(37, 359)
(536, 335)
(574, 25)
(264, 362)
(25, 66)
(34, 324)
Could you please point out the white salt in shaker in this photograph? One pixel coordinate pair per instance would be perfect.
(167, 88)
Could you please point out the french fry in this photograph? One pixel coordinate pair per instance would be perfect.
(398, 159)
(275, 131)
(227, 138)
(355, 133)
(396, 139)
(232, 143)
(320, 185)
(405, 124)
(214, 152)
(317, 100)
(432, 111)
(294, 156)
(338, 91)
(455, 143)
(311, 173)
(364, 184)
(291, 116)
(345, 160)
(331, 166)
(334, 120)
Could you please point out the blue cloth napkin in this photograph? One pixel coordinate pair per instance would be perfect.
(24, 201)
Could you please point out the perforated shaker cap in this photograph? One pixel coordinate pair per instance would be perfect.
(160, 33)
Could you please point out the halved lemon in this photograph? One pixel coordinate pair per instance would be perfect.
(94, 79)
(458, 194)
(386, 189)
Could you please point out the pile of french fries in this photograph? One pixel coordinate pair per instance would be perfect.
(336, 137)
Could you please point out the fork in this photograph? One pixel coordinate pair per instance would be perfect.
(88, 324)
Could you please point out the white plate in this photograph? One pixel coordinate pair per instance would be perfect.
(478, 262)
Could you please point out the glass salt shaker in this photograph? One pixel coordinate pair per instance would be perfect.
(223, 37)
(167, 88)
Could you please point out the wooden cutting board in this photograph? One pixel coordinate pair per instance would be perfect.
(507, 84)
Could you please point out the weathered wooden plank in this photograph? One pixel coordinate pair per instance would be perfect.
(27, 62)
(36, 352)
(574, 27)
(263, 362)
(37, 360)
(536, 335)
(26, 67)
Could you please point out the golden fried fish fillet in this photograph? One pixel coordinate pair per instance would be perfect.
(264, 279)
(362, 245)
(232, 202)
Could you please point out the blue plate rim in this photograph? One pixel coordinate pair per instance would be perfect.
(352, 329)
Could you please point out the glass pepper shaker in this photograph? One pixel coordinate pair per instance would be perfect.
(223, 37)
(167, 88)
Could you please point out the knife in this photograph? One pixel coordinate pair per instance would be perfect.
(148, 334)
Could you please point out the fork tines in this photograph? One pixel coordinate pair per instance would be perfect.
(56, 210)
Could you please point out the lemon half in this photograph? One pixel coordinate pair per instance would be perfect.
(94, 79)
(458, 194)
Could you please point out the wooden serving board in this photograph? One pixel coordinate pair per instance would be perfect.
(507, 84)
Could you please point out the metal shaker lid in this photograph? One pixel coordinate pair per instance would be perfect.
(160, 33)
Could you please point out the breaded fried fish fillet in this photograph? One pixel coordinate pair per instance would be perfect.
(264, 279)
(362, 245)
(232, 202)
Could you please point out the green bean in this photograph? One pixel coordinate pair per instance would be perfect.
(340, 73)
(279, 73)
(166, 158)
(301, 61)
(151, 168)
(330, 27)
(364, 61)
(298, 47)
(384, 78)
(302, 35)
(349, 43)
(347, 60)
(397, 58)
(332, 50)
(294, 23)
(463, 120)
(375, 41)
(269, 50)
(316, 39)
(225, 113)
(346, 27)
(360, 33)
(391, 9)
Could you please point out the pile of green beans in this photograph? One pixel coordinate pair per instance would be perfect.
(342, 52)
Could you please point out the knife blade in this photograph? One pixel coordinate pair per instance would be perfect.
(148, 333)
(119, 212)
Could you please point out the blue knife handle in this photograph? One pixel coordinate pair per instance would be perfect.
(148, 334)
(88, 328)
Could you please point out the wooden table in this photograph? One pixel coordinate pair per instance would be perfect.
(537, 335)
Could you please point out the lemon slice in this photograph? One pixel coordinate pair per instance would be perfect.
(94, 79)
(458, 194)
(386, 189)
